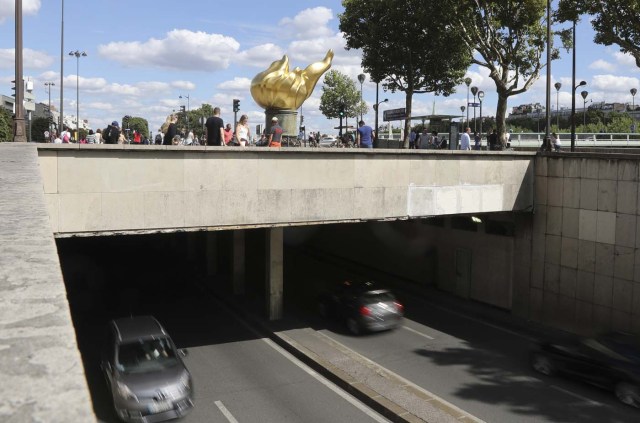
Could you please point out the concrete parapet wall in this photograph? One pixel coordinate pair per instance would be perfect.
(93, 189)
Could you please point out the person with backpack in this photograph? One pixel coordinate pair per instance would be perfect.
(65, 136)
(112, 133)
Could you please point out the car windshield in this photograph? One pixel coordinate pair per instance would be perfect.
(377, 297)
(148, 355)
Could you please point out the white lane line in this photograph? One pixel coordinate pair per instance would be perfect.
(360, 406)
(417, 332)
(226, 412)
(580, 397)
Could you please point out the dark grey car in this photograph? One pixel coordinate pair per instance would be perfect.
(363, 306)
(145, 372)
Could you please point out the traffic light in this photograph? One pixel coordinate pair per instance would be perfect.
(341, 111)
(183, 109)
(13, 88)
(301, 119)
(236, 105)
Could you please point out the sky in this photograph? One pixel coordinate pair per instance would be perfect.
(142, 55)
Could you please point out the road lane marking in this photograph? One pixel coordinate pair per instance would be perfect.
(580, 397)
(418, 333)
(226, 412)
(360, 406)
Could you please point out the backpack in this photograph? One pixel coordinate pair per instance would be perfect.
(158, 139)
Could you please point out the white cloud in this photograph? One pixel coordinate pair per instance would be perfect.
(99, 106)
(184, 85)
(32, 59)
(259, 56)
(308, 24)
(237, 84)
(181, 50)
(602, 65)
(7, 8)
(625, 59)
(613, 83)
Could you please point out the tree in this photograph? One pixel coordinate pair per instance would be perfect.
(407, 45)
(340, 92)
(509, 38)
(615, 21)
(134, 123)
(38, 126)
(6, 125)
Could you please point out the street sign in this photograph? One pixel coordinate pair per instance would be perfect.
(394, 114)
(474, 104)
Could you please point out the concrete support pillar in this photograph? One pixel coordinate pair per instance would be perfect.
(211, 252)
(239, 262)
(274, 270)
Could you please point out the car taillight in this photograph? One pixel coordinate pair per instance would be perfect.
(399, 307)
(365, 311)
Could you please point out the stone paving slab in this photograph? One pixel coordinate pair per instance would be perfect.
(41, 373)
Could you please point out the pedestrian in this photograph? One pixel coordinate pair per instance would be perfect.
(412, 139)
(91, 138)
(171, 130)
(365, 135)
(424, 141)
(493, 139)
(555, 140)
(65, 135)
(228, 134)
(98, 136)
(121, 138)
(476, 141)
(242, 132)
(434, 141)
(215, 129)
(137, 138)
(275, 133)
(465, 140)
(112, 133)
(189, 140)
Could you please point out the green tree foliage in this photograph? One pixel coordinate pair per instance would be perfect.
(615, 21)
(408, 45)
(6, 125)
(38, 126)
(338, 89)
(135, 124)
(509, 38)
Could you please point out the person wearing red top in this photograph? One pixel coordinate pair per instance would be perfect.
(228, 134)
(136, 137)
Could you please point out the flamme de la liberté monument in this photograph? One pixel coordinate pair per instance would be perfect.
(281, 92)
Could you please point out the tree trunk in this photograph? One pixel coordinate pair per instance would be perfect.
(501, 114)
(407, 122)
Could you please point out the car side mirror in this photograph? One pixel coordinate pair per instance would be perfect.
(183, 352)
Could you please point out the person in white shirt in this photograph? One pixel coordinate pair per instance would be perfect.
(555, 141)
(465, 140)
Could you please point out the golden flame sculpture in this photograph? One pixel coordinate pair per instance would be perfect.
(279, 88)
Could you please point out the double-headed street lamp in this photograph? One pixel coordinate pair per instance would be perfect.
(467, 82)
(474, 91)
(376, 107)
(558, 86)
(78, 54)
(480, 97)
(633, 92)
(49, 85)
(188, 108)
(573, 114)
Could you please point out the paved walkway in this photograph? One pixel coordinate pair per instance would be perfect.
(41, 373)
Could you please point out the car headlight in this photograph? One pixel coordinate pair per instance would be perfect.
(124, 391)
(185, 382)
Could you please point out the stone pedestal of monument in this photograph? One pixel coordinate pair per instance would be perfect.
(288, 120)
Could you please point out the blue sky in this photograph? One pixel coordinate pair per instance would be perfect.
(144, 54)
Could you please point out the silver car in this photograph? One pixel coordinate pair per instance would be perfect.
(145, 372)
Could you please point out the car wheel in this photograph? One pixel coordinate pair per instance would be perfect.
(353, 326)
(543, 364)
(628, 394)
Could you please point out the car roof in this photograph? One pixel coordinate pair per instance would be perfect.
(364, 285)
(138, 327)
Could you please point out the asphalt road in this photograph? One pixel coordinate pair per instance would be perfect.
(480, 367)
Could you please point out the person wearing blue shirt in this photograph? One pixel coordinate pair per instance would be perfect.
(365, 135)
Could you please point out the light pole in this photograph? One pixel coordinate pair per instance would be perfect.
(558, 86)
(474, 91)
(49, 85)
(462, 109)
(633, 92)
(61, 127)
(78, 54)
(584, 95)
(376, 107)
(18, 120)
(188, 108)
(467, 82)
(573, 110)
(361, 79)
(480, 97)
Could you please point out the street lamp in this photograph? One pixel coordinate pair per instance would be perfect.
(462, 109)
(558, 86)
(188, 108)
(633, 92)
(584, 95)
(467, 82)
(361, 79)
(474, 91)
(375, 107)
(573, 114)
(78, 54)
(61, 127)
(49, 85)
(480, 97)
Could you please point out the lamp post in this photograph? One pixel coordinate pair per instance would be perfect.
(61, 127)
(633, 92)
(18, 120)
(188, 108)
(558, 86)
(480, 97)
(361, 79)
(467, 82)
(584, 95)
(474, 91)
(573, 113)
(376, 107)
(49, 85)
(78, 54)
(462, 109)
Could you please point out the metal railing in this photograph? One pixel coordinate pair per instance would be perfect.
(591, 139)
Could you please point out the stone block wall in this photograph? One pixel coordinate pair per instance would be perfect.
(585, 258)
